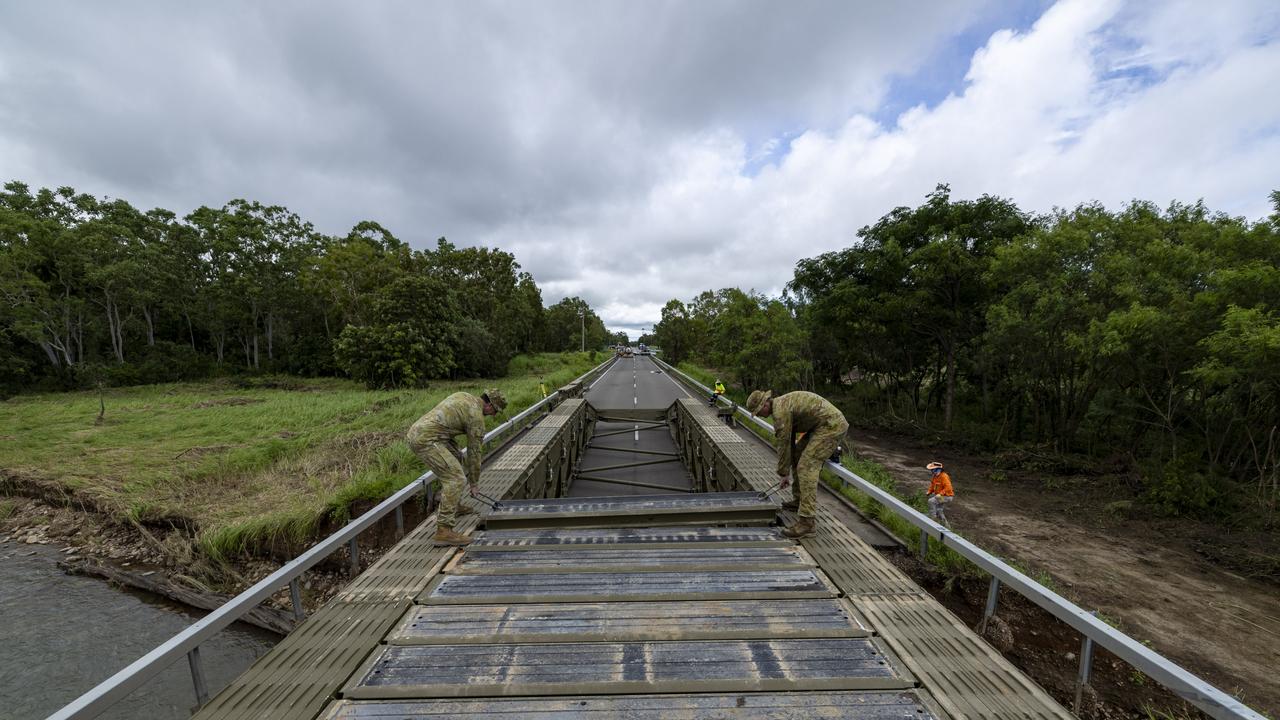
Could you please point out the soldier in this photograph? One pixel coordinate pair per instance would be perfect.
(822, 425)
(432, 440)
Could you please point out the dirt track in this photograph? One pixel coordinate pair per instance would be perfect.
(1143, 575)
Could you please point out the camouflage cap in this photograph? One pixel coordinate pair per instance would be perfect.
(757, 399)
(496, 399)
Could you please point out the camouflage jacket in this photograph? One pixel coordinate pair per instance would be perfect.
(802, 412)
(459, 414)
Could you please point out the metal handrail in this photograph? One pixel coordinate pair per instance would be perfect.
(113, 689)
(1177, 679)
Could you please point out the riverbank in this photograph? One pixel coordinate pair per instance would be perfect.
(213, 485)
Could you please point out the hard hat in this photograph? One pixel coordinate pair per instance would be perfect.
(935, 465)
(494, 397)
(757, 400)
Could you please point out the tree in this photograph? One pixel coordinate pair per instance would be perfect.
(411, 338)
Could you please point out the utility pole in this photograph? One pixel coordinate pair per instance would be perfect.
(582, 319)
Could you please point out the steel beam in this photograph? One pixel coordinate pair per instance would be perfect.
(636, 483)
(634, 450)
(619, 466)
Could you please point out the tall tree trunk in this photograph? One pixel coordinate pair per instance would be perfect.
(951, 385)
(191, 332)
(270, 336)
(151, 325)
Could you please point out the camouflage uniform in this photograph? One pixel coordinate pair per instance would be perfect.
(432, 440)
(823, 425)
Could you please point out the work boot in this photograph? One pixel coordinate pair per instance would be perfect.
(803, 527)
(793, 505)
(447, 536)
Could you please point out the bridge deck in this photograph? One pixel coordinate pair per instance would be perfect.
(596, 622)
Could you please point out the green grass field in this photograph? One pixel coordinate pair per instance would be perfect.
(244, 462)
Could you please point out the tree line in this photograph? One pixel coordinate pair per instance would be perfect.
(95, 291)
(1144, 335)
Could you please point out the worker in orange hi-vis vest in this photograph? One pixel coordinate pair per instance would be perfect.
(940, 493)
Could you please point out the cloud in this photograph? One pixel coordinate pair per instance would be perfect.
(631, 153)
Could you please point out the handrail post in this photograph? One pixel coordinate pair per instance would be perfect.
(924, 544)
(993, 596)
(295, 596)
(1086, 669)
(399, 521)
(197, 676)
(354, 548)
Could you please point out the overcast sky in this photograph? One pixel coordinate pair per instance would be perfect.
(631, 152)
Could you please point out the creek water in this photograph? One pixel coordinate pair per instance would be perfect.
(60, 635)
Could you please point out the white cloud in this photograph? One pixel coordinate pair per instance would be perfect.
(630, 153)
(1043, 119)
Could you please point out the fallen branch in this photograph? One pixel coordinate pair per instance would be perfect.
(267, 618)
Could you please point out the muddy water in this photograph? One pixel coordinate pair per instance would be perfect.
(60, 635)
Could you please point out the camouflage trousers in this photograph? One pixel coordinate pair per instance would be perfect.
(445, 461)
(810, 453)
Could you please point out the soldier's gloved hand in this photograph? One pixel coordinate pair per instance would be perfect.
(472, 489)
(785, 482)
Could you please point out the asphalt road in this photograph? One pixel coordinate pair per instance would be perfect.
(631, 384)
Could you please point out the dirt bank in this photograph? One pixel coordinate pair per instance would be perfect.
(163, 559)
(1160, 581)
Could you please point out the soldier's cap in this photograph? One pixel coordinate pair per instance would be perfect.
(494, 397)
(757, 399)
(935, 465)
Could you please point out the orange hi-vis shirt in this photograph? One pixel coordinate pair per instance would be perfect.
(941, 485)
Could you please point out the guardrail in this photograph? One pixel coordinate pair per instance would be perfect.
(113, 689)
(1177, 679)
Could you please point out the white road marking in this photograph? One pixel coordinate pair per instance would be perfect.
(606, 372)
(673, 382)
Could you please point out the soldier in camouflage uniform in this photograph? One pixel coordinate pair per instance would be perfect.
(822, 425)
(432, 439)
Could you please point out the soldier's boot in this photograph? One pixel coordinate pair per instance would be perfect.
(803, 527)
(446, 536)
(793, 505)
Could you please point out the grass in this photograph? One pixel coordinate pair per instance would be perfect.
(246, 464)
(6, 509)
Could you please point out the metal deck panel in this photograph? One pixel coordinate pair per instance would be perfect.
(616, 668)
(637, 538)
(600, 622)
(624, 587)
(700, 559)
(846, 705)
(302, 672)
(966, 675)
(632, 511)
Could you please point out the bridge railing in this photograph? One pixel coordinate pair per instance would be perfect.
(1177, 679)
(188, 642)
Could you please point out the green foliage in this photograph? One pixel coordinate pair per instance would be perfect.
(566, 322)
(97, 291)
(1144, 335)
(411, 338)
(755, 339)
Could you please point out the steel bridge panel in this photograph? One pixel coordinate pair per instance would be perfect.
(600, 622)
(623, 587)
(621, 667)
(850, 705)
(623, 538)
(561, 560)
